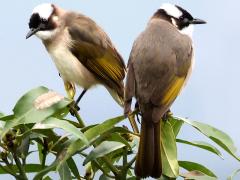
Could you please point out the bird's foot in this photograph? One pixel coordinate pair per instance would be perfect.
(167, 115)
(73, 108)
(138, 112)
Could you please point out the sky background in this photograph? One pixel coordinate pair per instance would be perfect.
(211, 96)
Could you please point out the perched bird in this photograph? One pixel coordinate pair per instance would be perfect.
(159, 66)
(82, 52)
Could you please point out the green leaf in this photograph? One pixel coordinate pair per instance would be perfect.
(204, 177)
(233, 174)
(169, 150)
(25, 111)
(29, 168)
(40, 154)
(132, 178)
(26, 102)
(103, 177)
(115, 134)
(196, 175)
(192, 166)
(1, 114)
(176, 125)
(2, 124)
(118, 138)
(23, 149)
(202, 145)
(64, 172)
(73, 167)
(47, 178)
(101, 128)
(4, 118)
(52, 122)
(115, 156)
(76, 145)
(219, 137)
(103, 149)
(73, 123)
(91, 134)
(7, 118)
(43, 172)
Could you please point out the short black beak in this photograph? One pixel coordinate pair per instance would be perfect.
(198, 21)
(32, 32)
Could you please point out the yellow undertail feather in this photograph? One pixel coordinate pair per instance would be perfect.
(173, 90)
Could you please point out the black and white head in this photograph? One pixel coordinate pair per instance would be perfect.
(44, 21)
(178, 17)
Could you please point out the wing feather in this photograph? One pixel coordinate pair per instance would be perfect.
(95, 51)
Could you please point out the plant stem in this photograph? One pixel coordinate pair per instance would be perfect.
(44, 152)
(130, 163)
(110, 166)
(105, 159)
(133, 123)
(20, 167)
(80, 121)
(125, 156)
(44, 160)
(104, 172)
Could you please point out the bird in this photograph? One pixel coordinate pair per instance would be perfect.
(159, 66)
(80, 49)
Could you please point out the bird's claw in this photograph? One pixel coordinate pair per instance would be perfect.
(138, 112)
(167, 115)
(73, 108)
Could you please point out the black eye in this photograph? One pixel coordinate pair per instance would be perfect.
(44, 21)
(181, 18)
(186, 21)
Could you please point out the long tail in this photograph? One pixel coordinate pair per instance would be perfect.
(148, 161)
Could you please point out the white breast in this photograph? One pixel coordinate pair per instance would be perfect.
(190, 70)
(70, 67)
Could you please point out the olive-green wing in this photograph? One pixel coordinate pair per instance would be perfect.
(94, 50)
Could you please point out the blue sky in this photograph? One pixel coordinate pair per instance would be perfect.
(211, 96)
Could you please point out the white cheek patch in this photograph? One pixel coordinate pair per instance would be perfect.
(174, 22)
(55, 18)
(44, 10)
(46, 35)
(171, 10)
(188, 30)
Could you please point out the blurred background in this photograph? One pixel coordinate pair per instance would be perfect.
(211, 96)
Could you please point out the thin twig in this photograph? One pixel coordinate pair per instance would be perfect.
(44, 152)
(98, 166)
(110, 166)
(105, 159)
(133, 122)
(125, 156)
(104, 172)
(20, 167)
(130, 163)
(76, 114)
(58, 141)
